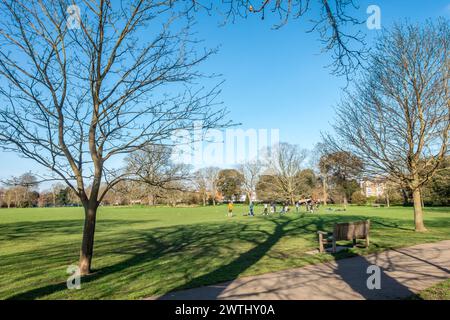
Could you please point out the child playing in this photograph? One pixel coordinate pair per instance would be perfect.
(230, 209)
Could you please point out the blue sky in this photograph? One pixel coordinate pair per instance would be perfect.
(277, 78)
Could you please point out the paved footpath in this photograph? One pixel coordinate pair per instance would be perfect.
(403, 272)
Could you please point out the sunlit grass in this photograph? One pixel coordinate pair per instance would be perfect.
(440, 291)
(140, 251)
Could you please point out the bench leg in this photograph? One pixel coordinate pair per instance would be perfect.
(367, 241)
(354, 243)
(321, 243)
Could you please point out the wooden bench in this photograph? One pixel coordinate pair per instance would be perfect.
(345, 231)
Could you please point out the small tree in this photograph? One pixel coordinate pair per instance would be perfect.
(358, 198)
(230, 183)
(265, 189)
(306, 182)
(342, 168)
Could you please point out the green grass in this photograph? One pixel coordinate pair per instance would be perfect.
(440, 291)
(140, 252)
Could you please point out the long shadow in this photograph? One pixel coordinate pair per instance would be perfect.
(36, 229)
(354, 272)
(165, 241)
(151, 244)
(154, 249)
(174, 240)
(422, 260)
(392, 225)
(233, 269)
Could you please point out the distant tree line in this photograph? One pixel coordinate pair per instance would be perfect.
(331, 178)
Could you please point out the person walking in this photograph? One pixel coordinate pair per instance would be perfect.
(283, 207)
(251, 209)
(266, 211)
(230, 209)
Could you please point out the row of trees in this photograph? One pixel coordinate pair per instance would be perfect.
(288, 175)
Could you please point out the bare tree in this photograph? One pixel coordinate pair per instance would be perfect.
(77, 100)
(316, 155)
(397, 117)
(155, 174)
(9, 195)
(251, 171)
(285, 164)
(56, 189)
(212, 176)
(206, 180)
(201, 183)
(153, 165)
(22, 186)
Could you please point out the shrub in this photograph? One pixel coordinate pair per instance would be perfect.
(358, 198)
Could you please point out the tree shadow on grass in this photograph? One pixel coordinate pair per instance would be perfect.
(34, 230)
(187, 249)
(161, 242)
(236, 267)
(176, 240)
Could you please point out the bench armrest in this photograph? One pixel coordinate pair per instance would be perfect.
(322, 232)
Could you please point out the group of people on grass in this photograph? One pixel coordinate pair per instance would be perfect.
(271, 208)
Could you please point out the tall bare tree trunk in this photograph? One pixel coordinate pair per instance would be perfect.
(87, 245)
(345, 201)
(421, 198)
(405, 197)
(324, 191)
(387, 200)
(418, 213)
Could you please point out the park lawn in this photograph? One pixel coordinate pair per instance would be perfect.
(146, 251)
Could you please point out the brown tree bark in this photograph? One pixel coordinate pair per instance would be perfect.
(87, 245)
(418, 212)
(324, 191)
